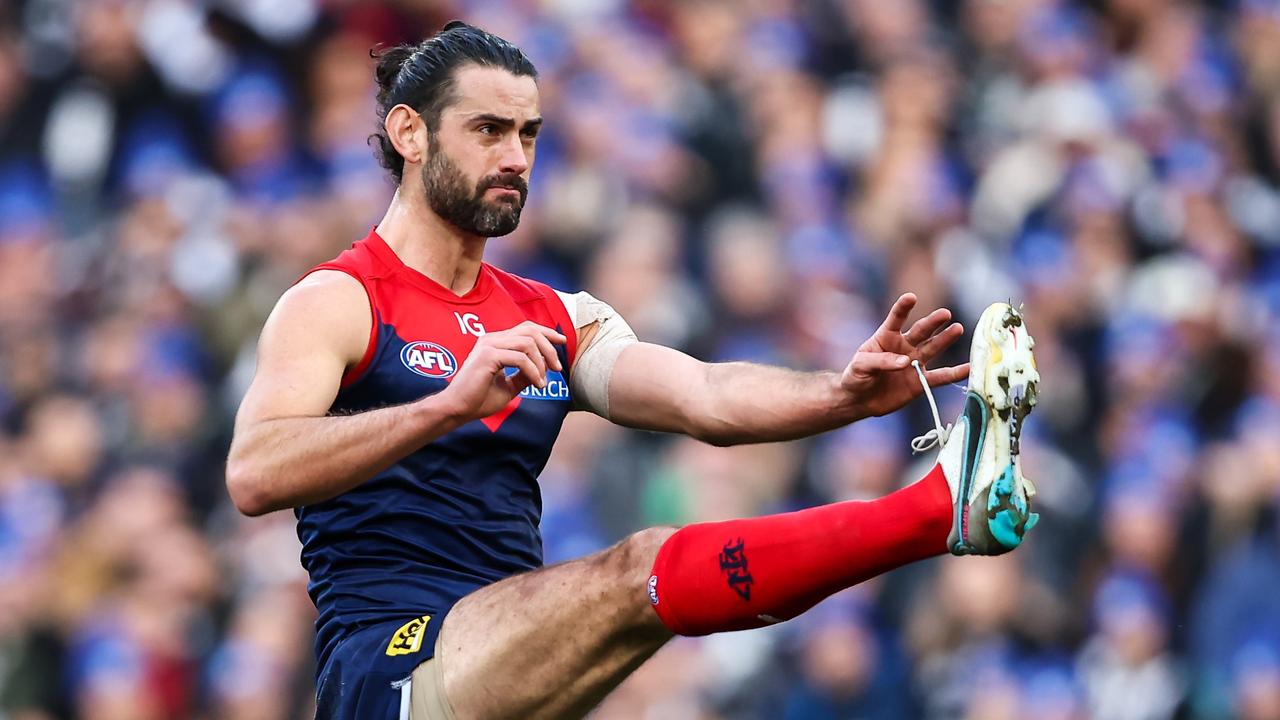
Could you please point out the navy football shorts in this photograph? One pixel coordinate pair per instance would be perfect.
(366, 676)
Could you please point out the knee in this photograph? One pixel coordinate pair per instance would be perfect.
(639, 549)
(631, 560)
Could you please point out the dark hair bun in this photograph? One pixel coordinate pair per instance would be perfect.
(390, 60)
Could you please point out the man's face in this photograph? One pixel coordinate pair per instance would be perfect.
(476, 175)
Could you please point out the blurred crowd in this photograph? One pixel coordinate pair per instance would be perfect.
(742, 179)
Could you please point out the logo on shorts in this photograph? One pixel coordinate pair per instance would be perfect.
(408, 639)
(429, 359)
(653, 589)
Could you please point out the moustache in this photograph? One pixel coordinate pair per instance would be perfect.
(507, 181)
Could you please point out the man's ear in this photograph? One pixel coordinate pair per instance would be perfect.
(407, 132)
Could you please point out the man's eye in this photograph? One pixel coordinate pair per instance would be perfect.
(488, 129)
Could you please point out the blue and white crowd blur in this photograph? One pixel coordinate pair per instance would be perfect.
(750, 180)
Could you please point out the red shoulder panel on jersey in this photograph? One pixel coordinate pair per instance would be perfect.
(531, 292)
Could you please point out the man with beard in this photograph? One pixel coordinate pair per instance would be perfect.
(407, 395)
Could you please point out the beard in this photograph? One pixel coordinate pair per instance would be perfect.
(451, 197)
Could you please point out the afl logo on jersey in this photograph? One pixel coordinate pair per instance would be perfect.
(429, 359)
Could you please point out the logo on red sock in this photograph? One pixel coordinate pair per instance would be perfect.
(733, 563)
(653, 589)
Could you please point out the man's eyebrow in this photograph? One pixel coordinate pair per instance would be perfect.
(505, 122)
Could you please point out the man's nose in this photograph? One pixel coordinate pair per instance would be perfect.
(513, 158)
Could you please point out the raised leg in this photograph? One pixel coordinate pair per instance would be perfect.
(553, 642)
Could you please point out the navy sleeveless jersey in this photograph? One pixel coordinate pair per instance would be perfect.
(461, 512)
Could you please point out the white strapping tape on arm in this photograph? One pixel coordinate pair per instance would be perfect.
(593, 366)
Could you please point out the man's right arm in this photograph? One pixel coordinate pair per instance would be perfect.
(288, 451)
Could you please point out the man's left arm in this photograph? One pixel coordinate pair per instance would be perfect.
(658, 388)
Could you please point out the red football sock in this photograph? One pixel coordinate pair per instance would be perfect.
(739, 574)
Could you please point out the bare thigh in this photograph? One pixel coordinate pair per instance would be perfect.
(553, 642)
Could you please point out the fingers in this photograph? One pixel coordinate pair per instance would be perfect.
(523, 362)
(869, 362)
(548, 351)
(927, 326)
(947, 375)
(545, 338)
(899, 312)
(875, 361)
(527, 345)
(535, 342)
(531, 327)
(934, 346)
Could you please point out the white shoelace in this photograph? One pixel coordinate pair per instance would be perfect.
(939, 434)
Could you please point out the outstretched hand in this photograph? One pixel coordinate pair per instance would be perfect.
(880, 379)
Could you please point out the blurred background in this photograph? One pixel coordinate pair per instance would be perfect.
(743, 180)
